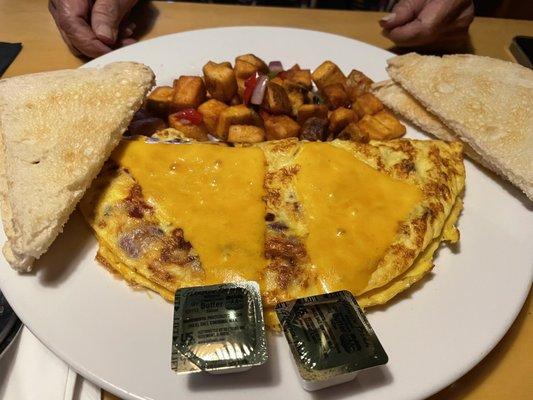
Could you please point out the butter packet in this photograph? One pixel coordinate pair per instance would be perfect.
(330, 339)
(218, 329)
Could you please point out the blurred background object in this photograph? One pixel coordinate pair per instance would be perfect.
(10, 325)
(517, 9)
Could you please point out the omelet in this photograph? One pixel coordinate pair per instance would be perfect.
(300, 218)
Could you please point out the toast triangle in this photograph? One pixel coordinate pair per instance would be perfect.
(56, 130)
(486, 102)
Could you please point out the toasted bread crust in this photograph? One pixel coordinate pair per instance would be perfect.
(57, 129)
(402, 103)
(484, 101)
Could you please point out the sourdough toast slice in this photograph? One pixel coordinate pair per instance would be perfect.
(484, 101)
(56, 130)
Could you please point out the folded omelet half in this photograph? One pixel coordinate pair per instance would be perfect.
(300, 218)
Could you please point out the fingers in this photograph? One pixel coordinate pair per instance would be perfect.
(403, 12)
(106, 16)
(53, 11)
(71, 19)
(126, 42)
(412, 34)
(127, 30)
(83, 38)
(436, 22)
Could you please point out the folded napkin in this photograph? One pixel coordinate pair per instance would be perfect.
(30, 371)
(8, 52)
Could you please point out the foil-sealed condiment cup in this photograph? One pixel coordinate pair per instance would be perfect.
(218, 329)
(330, 339)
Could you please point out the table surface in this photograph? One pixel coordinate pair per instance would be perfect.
(506, 372)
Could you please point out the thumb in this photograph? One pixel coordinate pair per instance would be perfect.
(403, 12)
(106, 16)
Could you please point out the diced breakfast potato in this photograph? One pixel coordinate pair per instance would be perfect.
(210, 111)
(197, 132)
(158, 102)
(243, 70)
(236, 115)
(335, 96)
(353, 132)
(245, 66)
(281, 127)
(245, 134)
(276, 99)
(189, 92)
(381, 126)
(343, 107)
(146, 126)
(395, 127)
(367, 104)
(259, 64)
(327, 74)
(220, 80)
(301, 77)
(277, 80)
(312, 110)
(357, 84)
(340, 118)
(296, 94)
(314, 129)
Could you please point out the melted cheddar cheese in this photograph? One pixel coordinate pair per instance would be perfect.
(213, 193)
(352, 212)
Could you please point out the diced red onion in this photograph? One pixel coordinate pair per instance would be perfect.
(259, 90)
(275, 66)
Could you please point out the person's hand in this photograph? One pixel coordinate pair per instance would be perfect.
(425, 22)
(93, 27)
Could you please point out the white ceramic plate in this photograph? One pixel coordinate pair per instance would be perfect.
(120, 338)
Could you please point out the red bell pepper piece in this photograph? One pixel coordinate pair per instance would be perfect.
(191, 115)
(249, 86)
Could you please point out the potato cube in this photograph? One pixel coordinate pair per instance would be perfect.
(276, 99)
(327, 74)
(300, 77)
(245, 134)
(281, 127)
(210, 111)
(356, 77)
(220, 81)
(340, 118)
(314, 129)
(357, 84)
(296, 93)
(236, 115)
(295, 67)
(367, 104)
(243, 69)
(353, 132)
(335, 96)
(296, 99)
(396, 128)
(259, 64)
(376, 129)
(189, 92)
(197, 132)
(158, 102)
(246, 66)
(312, 110)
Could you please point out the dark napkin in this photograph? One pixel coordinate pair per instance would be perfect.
(8, 52)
